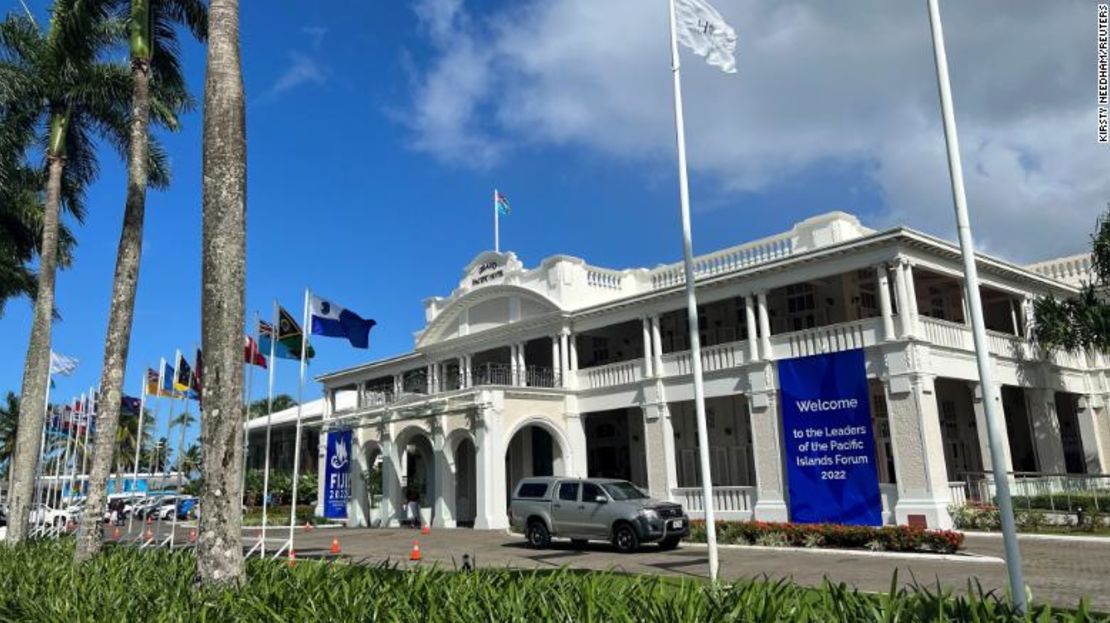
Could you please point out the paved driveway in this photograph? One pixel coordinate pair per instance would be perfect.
(1059, 570)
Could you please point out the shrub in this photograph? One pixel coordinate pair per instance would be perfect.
(890, 538)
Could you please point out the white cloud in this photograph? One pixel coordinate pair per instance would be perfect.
(848, 83)
(301, 70)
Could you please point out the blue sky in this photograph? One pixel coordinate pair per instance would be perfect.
(376, 132)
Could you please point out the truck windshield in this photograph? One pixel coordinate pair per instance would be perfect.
(620, 491)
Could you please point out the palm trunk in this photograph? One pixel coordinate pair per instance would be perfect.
(36, 368)
(121, 312)
(219, 550)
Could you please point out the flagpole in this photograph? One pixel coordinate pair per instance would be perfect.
(496, 224)
(246, 419)
(180, 446)
(138, 447)
(71, 450)
(154, 451)
(300, 409)
(975, 305)
(169, 431)
(88, 429)
(274, 332)
(692, 305)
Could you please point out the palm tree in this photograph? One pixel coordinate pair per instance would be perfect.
(223, 281)
(261, 407)
(56, 86)
(154, 58)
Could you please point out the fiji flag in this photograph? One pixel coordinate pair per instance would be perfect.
(327, 318)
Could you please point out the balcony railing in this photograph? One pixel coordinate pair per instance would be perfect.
(732, 499)
(828, 339)
(538, 376)
(492, 374)
(618, 373)
(713, 358)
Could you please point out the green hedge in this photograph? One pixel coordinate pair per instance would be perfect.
(39, 583)
(886, 538)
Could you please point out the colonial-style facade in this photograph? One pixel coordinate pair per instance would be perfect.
(569, 368)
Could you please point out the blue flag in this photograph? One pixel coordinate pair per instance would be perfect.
(327, 318)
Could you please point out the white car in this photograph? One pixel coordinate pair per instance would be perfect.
(41, 513)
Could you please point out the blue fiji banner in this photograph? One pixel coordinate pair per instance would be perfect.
(830, 446)
(337, 488)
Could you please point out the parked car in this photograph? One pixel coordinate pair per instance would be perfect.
(147, 507)
(41, 513)
(594, 509)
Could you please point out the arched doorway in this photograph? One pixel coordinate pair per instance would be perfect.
(466, 483)
(532, 451)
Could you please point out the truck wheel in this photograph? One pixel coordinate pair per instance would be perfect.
(669, 543)
(538, 536)
(625, 539)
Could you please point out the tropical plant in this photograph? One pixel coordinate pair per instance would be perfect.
(155, 66)
(223, 284)
(261, 407)
(9, 424)
(58, 87)
(1081, 322)
(37, 583)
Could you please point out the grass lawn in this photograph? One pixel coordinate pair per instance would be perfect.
(38, 582)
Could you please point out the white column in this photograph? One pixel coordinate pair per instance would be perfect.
(911, 290)
(881, 275)
(981, 426)
(431, 379)
(468, 371)
(522, 365)
(358, 506)
(576, 437)
(753, 333)
(659, 457)
(764, 327)
(770, 482)
(321, 481)
(1092, 434)
(573, 352)
(918, 447)
(514, 369)
(1014, 317)
(490, 463)
(556, 366)
(391, 484)
(647, 347)
(1046, 431)
(904, 308)
(656, 346)
(565, 359)
(398, 385)
(444, 490)
(463, 381)
(1027, 313)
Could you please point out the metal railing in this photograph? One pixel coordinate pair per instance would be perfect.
(492, 374)
(1066, 493)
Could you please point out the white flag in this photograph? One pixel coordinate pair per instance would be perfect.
(60, 364)
(702, 29)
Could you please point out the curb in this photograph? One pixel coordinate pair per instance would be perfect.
(1075, 538)
(979, 558)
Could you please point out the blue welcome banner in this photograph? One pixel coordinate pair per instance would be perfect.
(830, 447)
(337, 486)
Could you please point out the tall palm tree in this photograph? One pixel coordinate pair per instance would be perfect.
(154, 58)
(58, 85)
(223, 281)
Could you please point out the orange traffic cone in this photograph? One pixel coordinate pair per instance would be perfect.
(115, 533)
(425, 529)
(335, 546)
(307, 526)
(193, 535)
(292, 558)
(415, 555)
(149, 534)
(71, 526)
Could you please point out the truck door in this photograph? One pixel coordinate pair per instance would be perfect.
(595, 516)
(565, 514)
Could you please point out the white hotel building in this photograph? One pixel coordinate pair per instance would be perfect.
(571, 369)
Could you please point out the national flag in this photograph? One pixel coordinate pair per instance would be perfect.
(289, 338)
(251, 352)
(152, 382)
(130, 405)
(167, 388)
(183, 379)
(702, 29)
(197, 386)
(79, 404)
(502, 204)
(60, 364)
(327, 318)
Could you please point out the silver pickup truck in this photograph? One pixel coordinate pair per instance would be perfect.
(584, 509)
